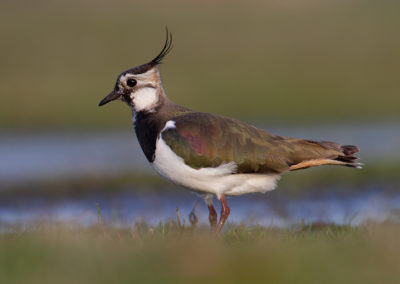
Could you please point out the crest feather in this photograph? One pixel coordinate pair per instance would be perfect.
(157, 60)
(165, 50)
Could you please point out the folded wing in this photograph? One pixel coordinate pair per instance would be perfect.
(204, 140)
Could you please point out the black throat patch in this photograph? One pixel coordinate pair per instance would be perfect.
(147, 127)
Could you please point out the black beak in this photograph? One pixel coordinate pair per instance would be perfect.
(110, 97)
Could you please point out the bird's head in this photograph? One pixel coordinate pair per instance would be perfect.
(141, 87)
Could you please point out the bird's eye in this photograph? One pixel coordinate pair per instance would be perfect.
(131, 82)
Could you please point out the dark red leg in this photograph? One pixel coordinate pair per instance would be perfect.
(224, 214)
(212, 217)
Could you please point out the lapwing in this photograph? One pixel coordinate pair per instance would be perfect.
(213, 154)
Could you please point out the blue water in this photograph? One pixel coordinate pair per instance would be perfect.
(265, 209)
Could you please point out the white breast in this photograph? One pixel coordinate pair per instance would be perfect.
(220, 181)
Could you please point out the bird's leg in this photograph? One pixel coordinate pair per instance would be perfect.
(224, 214)
(212, 217)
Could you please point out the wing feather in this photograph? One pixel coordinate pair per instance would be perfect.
(205, 140)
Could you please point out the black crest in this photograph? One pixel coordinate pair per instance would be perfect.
(165, 50)
(157, 60)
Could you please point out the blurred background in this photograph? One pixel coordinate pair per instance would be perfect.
(324, 70)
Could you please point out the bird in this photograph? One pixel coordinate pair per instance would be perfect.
(211, 154)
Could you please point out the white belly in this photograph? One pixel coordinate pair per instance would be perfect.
(219, 181)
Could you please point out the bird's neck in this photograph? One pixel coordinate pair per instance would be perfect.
(148, 124)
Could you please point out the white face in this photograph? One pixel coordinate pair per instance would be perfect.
(143, 90)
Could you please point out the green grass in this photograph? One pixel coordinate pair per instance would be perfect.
(308, 62)
(61, 253)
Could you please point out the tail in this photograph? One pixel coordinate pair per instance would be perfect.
(348, 155)
(345, 157)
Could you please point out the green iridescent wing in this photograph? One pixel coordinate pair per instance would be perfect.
(205, 140)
